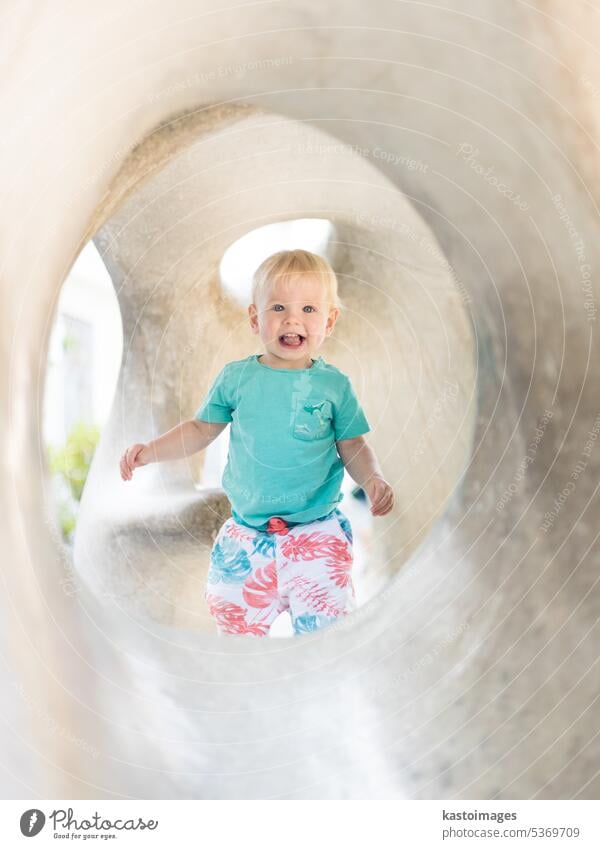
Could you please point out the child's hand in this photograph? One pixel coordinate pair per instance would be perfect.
(131, 459)
(381, 495)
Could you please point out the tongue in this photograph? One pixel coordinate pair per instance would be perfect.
(291, 341)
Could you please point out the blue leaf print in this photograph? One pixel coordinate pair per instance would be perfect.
(309, 622)
(229, 562)
(346, 526)
(264, 543)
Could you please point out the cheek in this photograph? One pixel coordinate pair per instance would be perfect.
(316, 327)
(269, 325)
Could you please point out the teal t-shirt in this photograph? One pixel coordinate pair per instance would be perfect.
(283, 459)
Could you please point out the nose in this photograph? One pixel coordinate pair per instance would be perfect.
(292, 321)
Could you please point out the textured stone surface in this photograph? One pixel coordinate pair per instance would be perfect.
(473, 673)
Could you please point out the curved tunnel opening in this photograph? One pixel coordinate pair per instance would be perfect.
(504, 611)
(405, 340)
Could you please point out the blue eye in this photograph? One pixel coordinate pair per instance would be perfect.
(280, 307)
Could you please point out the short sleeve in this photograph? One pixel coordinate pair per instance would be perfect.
(349, 419)
(217, 406)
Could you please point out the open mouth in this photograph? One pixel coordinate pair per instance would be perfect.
(291, 340)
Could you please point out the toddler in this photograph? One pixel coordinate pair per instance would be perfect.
(295, 424)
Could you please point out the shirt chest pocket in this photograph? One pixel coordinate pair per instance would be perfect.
(312, 419)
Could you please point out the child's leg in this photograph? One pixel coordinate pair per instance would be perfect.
(241, 589)
(316, 572)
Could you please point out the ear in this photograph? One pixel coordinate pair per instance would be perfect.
(253, 314)
(331, 320)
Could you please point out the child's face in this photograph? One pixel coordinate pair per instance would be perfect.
(293, 318)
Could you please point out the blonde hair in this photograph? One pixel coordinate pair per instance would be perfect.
(286, 264)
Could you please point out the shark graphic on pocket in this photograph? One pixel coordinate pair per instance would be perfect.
(312, 419)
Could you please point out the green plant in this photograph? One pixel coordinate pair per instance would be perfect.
(72, 462)
(69, 342)
(67, 520)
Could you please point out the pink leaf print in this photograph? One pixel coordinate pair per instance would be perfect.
(231, 618)
(238, 533)
(339, 571)
(339, 566)
(313, 546)
(260, 589)
(316, 596)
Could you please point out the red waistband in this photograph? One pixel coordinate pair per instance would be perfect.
(277, 525)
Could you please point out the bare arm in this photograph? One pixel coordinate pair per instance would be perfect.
(359, 459)
(181, 441)
(362, 466)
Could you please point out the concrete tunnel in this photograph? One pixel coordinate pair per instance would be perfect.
(455, 155)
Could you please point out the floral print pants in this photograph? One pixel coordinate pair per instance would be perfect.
(305, 569)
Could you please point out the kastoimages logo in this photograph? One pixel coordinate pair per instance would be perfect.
(32, 822)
